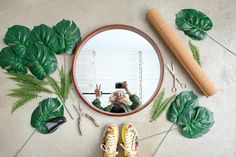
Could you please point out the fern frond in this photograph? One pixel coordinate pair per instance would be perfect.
(18, 94)
(22, 101)
(157, 104)
(163, 106)
(55, 86)
(68, 81)
(29, 91)
(37, 89)
(62, 77)
(26, 79)
(29, 88)
(195, 52)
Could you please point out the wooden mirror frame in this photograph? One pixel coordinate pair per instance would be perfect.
(110, 27)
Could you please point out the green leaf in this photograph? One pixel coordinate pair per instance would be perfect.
(24, 99)
(163, 106)
(45, 35)
(29, 88)
(26, 79)
(40, 61)
(157, 103)
(68, 34)
(55, 86)
(10, 61)
(196, 122)
(68, 82)
(62, 79)
(17, 38)
(194, 23)
(195, 52)
(182, 102)
(45, 113)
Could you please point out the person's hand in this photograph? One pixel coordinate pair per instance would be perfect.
(125, 85)
(97, 91)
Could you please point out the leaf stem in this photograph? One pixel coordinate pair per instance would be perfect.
(64, 104)
(221, 45)
(17, 153)
(159, 145)
(160, 133)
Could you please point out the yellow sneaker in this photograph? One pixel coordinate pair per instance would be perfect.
(129, 140)
(110, 141)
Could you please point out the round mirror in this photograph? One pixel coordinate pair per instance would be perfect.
(117, 70)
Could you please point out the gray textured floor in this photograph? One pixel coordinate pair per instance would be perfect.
(91, 14)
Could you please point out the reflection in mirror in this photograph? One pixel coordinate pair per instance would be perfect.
(117, 71)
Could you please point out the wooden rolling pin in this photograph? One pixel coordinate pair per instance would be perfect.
(181, 52)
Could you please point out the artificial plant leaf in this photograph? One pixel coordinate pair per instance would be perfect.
(17, 38)
(68, 34)
(182, 102)
(40, 61)
(196, 122)
(53, 83)
(162, 107)
(27, 79)
(48, 110)
(195, 52)
(10, 61)
(23, 100)
(194, 23)
(68, 82)
(29, 87)
(46, 36)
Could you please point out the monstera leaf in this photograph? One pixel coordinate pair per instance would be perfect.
(196, 122)
(17, 38)
(10, 61)
(48, 115)
(40, 61)
(68, 34)
(45, 35)
(194, 23)
(182, 102)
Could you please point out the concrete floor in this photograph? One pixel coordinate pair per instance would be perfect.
(91, 14)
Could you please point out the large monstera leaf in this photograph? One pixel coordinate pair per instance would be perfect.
(68, 34)
(40, 61)
(196, 122)
(194, 23)
(17, 38)
(183, 101)
(10, 61)
(45, 35)
(48, 115)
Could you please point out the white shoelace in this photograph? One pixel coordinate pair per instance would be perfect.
(129, 143)
(110, 147)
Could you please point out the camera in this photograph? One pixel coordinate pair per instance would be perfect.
(119, 85)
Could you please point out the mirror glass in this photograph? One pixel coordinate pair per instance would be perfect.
(117, 71)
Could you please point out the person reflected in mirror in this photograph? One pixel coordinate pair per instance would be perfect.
(119, 101)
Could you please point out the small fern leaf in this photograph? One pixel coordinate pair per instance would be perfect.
(68, 81)
(163, 106)
(27, 78)
(22, 102)
(157, 104)
(195, 52)
(37, 89)
(18, 94)
(55, 86)
(62, 77)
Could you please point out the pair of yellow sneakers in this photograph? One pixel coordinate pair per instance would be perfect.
(129, 137)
